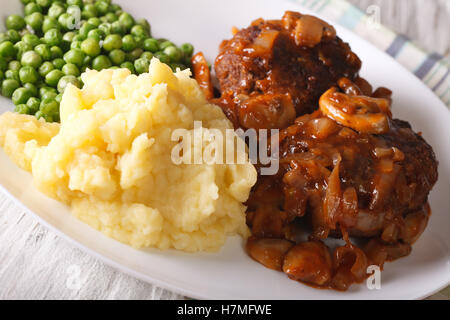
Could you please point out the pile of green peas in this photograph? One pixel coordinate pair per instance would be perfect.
(55, 41)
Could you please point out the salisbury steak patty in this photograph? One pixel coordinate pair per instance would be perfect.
(274, 71)
(346, 170)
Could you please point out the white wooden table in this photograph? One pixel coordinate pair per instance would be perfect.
(37, 264)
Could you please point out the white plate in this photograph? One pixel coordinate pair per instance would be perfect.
(230, 273)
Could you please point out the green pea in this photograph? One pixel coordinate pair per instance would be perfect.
(58, 98)
(55, 11)
(22, 109)
(49, 95)
(111, 17)
(9, 86)
(117, 56)
(102, 6)
(21, 95)
(22, 47)
(78, 3)
(166, 44)
(78, 37)
(94, 21)
(7, 49)
(128, 43)
(106, 28)
(139, 41)
(15, 22)
(56, 52)
(21, 32)
(33, 103)
(187, 49)
(118, 28)
(58, 63)
(60, 3)
(50, 23)
(24, 32)
(68, 21)
(112, 41)
(28, 74)
(114, 7)
(76, 45)
(134, 54)
(47, 91)
(173, 53)
(91, 47)
(14, 65)
(31, 8)
(12, 74)
(32, 88)
(144, 23)
(139, 31)
(44, 51)
(56, 116)
(1, 76)
(53, 37)
(49, 106)
(126, 20)
(71, 70)
(141, 65)
(3, 64)
(13, 35)
(129, 66)
(101, 62)
(35, 21)
(64, 81)
(74, 56)
(147, 55)
(85, 28)
(96, 34)
(40, 115)
(31, 58)
(65, 21)
(45, 68)
(68, 36)
(31, 39)
(162, 57)
(3, 37)
(53, 77)
(87, 62)
(44, 3)
(89, 11)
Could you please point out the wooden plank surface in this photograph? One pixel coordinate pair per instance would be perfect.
(36, 264)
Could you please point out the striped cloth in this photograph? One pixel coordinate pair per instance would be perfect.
(431, 68)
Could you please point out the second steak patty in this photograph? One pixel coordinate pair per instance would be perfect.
(276, 70)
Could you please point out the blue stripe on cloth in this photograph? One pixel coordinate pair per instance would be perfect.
(351, 17)
(440, 82)
(427, 65)
(397, 45)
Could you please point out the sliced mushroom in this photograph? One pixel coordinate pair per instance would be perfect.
(361, 113)
(269, 252)
(309, 262)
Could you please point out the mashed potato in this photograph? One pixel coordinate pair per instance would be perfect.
(110, 160)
